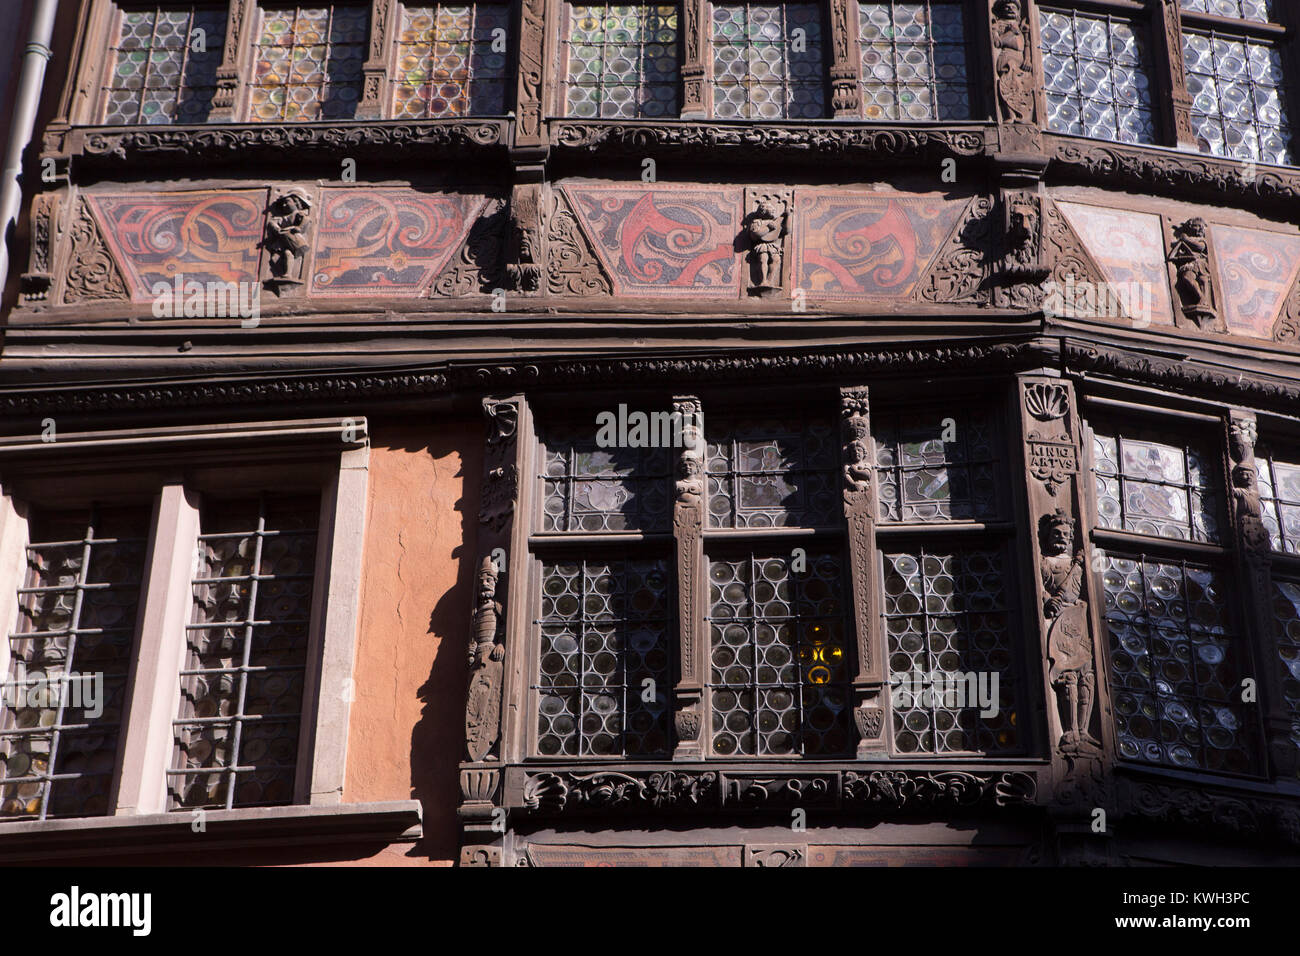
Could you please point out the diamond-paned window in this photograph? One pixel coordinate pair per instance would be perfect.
(589, 488)
(952, 669)
(605, 643)
(164, 64)
(622, 61)
(1279, 494)
(451, 60)
(1156, 487)
(765, 473)
(236, 739)
(937, 467)
(1257, 10)
(1176, 666)
(1238, 97)
(914, 58)
(767, 61)
(307, 62)
(1098, 76)
(779, 664)
(61, 712)
(1286, 619)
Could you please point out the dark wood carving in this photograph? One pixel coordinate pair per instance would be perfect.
(1012, 62)
(479, 266)
(525, 254)
(287, 240)
(500, 471)
(572, 265)
(374, 70)
(529, 97)
(767, 234)
(845, 65)
(92, 273)
(483, 699)
(1171, 35)
(224, 98)
(39, 277)
(688, 525)
(961, 271)
(1191, 257)
(694, 92)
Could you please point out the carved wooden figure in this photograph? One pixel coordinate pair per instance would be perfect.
(1190, 255)
(483, 700)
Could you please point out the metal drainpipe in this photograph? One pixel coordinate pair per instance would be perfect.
(36, 54)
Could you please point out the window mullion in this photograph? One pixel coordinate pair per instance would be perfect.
(844, 62)
(1169, 65)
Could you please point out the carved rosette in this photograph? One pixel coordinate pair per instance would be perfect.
(688, 524)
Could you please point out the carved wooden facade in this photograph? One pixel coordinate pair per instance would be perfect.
(529, 261)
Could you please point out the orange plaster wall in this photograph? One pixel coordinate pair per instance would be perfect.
(406, 729)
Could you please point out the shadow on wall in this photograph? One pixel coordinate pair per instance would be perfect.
(438, 738)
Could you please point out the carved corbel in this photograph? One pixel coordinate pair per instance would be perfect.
(526, 252)
(688, 524)
(1255, 562)
(287, 241)
(1022, 269)
(1192, 266)
(858, 455)
(45, 232)
(767, 231)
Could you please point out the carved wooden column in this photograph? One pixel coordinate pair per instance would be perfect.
(869, 710)
(1017, 75)
(1169, 61)
(1254, 568)
(692, 581)
(530, 101)
(525, 244)
(480, 774)
(846, 95)
(695, 43)
(383, 24)
(1070, 651)
(239, 36)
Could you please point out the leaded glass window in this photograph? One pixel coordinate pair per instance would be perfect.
(937, 466)
(1238, 97)
(1176, 665)
(1286, 618)
(1258, 10)
(236, 739)
(307, 62)
(70, 656)
(779, 666)
(772, 472)
(1097, 71)
(1156, 487)
(604, 675)
(767, 61)
(947, 627)
(451, 60)
(1279, 493)
(914, 59)
(622, 60)
(164, 64)
(589, 488)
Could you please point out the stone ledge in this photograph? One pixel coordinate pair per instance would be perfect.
(47, 841)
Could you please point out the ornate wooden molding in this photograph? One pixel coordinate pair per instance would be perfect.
(885, 791)
(45, 235)
(530, 94)
(1167, 172)
(845, 61)
(1170, 47)
(824, 141)
(1200, 808)
(239, 23)
(572, 266)
(960, 272)
(92, 273)
(694, 23)
(383, 19)
(286, 144)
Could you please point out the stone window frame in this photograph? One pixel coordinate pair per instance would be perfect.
(1229, 556)
(169, 466)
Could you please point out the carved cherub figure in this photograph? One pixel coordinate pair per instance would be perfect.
(766, 229)
(286, 236)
